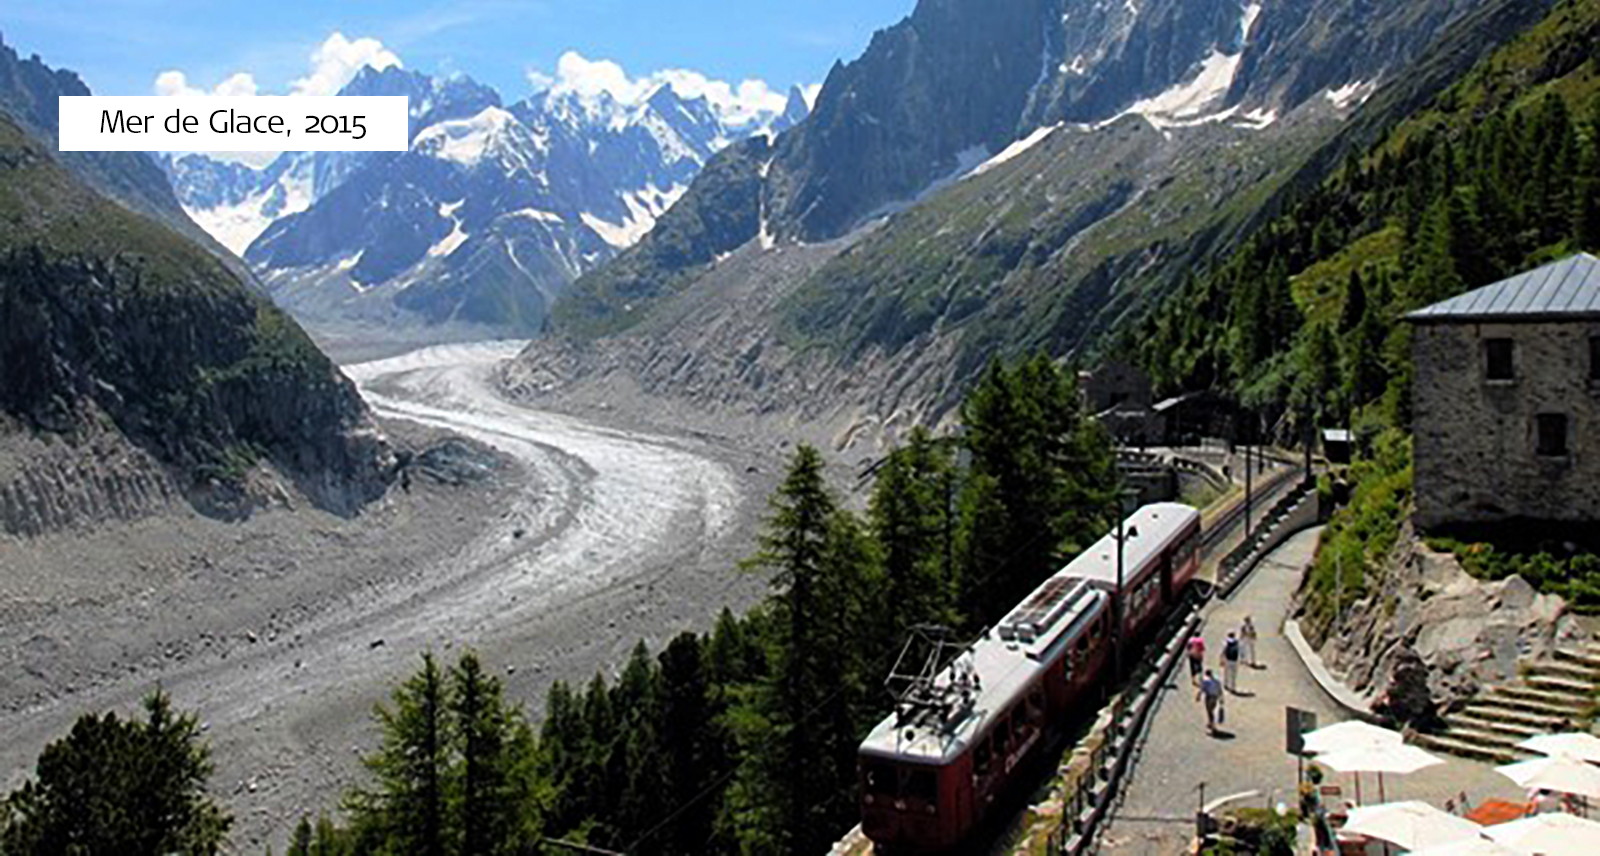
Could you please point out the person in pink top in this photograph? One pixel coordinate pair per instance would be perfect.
(1196, 647)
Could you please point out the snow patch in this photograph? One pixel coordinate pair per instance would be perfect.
(536, 214)
(1258, 118)
(449, 243)
(1351, 94)
(449, 209)
(1197, 101)
(237, 226)
(1187, 102)
(644, 205)
(1015, 149)
(1251, 13)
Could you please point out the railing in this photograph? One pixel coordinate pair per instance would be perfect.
(1089, 799)
(1236, 566)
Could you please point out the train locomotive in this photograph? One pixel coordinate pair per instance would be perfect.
(930, 771)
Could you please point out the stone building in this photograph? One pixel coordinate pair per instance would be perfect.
(1119, 395)
(1507, 400)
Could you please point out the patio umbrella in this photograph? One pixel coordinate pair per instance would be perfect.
(1350, 734)
(1410, 825)
(1555, 773)
(1398, 758)
(1583, 747)
(1471, 847)
(1550, 835)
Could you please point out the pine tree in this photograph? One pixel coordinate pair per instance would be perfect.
(637, 700)
(119, 786)
(495, 748)
(791, 790)
(300, 842)
(409, 810)
(911, 521)
(693, 742)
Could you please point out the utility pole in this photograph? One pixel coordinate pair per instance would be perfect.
(1247, 489)
(1126, 499)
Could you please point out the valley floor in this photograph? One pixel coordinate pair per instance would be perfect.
(283, 632)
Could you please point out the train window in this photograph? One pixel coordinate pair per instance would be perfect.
(1083, 644)
(1034, 707)
(880, 778)
(1002, 734)
(922, 785)
(981, 758)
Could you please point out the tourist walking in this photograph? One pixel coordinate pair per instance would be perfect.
(1247, 638)
(1210, 692)
(1196, 647)
(1230, 663)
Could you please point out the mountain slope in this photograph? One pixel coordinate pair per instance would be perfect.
(113, 323)
(29, 90)
(1054, 242)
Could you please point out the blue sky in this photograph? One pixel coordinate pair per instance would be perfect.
(121, 46)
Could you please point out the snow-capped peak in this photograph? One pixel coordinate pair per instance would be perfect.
(492, 132)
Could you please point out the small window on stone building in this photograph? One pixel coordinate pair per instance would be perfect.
(1594, 357)
(1552, 435)
(1499, 365)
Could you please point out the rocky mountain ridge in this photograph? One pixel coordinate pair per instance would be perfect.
(1048, 242)
(484, 221)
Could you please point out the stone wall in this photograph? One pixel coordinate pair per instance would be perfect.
(1476, 454)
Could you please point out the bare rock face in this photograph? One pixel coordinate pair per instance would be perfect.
(1429, 636)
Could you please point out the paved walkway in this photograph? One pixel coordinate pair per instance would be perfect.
(1156, 815)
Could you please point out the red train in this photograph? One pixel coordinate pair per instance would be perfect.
(930, 771)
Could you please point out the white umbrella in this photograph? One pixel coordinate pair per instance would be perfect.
(1410, 824)
(1350, 734)
(1583, 747)
(1398, 758)
(1555, 773)
(1471, 847)
(1549, 835)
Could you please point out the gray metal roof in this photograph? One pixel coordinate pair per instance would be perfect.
(1569, 288)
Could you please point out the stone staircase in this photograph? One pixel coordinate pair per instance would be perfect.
(1553, 694)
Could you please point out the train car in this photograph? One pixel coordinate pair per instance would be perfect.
(956, 743)
(1161, 560)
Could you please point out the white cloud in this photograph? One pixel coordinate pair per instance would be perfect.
(749, 100)
(337, 60)
(810, 92)
(174, 82)
(332, 65)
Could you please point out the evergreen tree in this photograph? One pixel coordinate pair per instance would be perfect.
(911, 521)
(792, 790)
(692, 740)
(1040, 486)
(637, 701)
(113, 786)
(408, 813)
(300, 842)
(495, 749)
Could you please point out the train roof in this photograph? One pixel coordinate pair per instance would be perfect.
(1004, 661)
(995, 670)
(1151, 530)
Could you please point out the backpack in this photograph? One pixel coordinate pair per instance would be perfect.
(1231, 649)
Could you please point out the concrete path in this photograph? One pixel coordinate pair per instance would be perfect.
(1156, 817)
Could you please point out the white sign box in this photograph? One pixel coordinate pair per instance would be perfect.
(222, 123)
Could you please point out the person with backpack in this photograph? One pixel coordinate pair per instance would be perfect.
(1210, 692)
(1230, 664)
